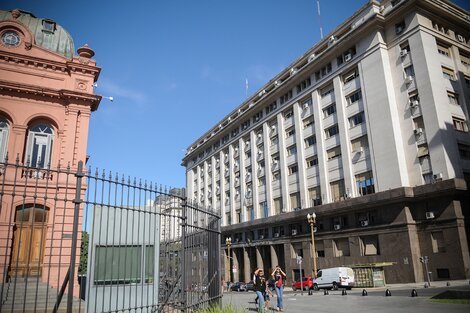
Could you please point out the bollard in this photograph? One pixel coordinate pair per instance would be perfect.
(447, 284)
(325, 293)
(426, 285)
(364, 292)
(344, 293)
(388, 293)
(414, 293)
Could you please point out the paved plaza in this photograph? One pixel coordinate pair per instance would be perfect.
(376, 301)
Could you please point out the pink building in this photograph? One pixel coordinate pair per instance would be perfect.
(46, 99)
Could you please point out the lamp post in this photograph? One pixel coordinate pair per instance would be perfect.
(228, 242)
(311, 220)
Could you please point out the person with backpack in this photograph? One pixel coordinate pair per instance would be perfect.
(279, 278)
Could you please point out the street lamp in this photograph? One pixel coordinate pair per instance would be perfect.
(228, 242)
(311, 220)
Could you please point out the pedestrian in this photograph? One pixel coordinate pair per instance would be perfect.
(260, 288)
(279, 279)
(267, 296)
(254, 279)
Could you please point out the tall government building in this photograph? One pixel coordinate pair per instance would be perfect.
(368, 130)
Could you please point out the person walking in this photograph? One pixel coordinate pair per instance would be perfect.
(254, 280)
(279, 277)
(260, 288)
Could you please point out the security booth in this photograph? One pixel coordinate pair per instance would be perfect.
(370, 274)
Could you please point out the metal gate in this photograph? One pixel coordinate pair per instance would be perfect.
(80, 241)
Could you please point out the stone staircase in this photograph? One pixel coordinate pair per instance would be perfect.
(31, 295)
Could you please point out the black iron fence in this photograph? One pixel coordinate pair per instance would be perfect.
(81, 241)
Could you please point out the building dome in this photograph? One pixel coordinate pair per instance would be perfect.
(47, 33)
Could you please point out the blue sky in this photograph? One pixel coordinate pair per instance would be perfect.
(175, 68)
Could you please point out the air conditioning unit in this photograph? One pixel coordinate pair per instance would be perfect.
(408, 79)
(247, 144)
(460, 38)
(294, 232)
(332, 39)
(429, 215)
(273, 128)
(414, 103)
(261, 93)
(418, 131)
(347, 57)
(277, 83)
(337, 226)
(403, 53)
(364, 223)
(305, 106)
(437, 176)
(293, 71)
(276, 235)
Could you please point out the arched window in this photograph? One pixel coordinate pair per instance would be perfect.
(39, 145)
(4, 131)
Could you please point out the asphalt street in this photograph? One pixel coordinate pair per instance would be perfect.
(376, 301)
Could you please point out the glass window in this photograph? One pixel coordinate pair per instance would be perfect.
(329, 110)
(448, 73)
(314, 194)
(460, 124)
(337, 190)
(295, 201)
(453, 98)
(356, 119)
(308, 121)
(312, 161)
(4, 132)
(351, 75)
(409, 71)
(292, 150)
(310, 141)
(355, 96)
(290, 132)
(334, 153)
(331, 131)
(117, 265)
(365, 183)
(39, 147)
(358, 143)
(443, 50)
(293, 169)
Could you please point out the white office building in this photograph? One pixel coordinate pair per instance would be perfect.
(369, 130)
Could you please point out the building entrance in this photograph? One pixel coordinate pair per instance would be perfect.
(29, 237)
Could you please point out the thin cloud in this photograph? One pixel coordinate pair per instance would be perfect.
(109, 88)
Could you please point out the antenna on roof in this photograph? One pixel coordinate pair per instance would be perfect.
(319, 19)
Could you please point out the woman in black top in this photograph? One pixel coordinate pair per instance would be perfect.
(260, 288)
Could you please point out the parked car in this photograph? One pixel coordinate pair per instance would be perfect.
(335, 277)
(307, 283)
(250, 286)
(238, 286)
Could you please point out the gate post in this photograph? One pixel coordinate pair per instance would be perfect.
(77, 201)
(183, 253)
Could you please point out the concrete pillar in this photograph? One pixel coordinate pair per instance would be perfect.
(274, 259)
(259, 258)
(236, 274)
(247, 265)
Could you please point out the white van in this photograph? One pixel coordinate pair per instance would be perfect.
(335, 277)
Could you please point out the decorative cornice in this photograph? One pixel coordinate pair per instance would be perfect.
(22, 90)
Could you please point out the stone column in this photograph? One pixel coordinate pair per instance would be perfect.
(259, 258)
(236, 275)
(274, 259)
(246, 266)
